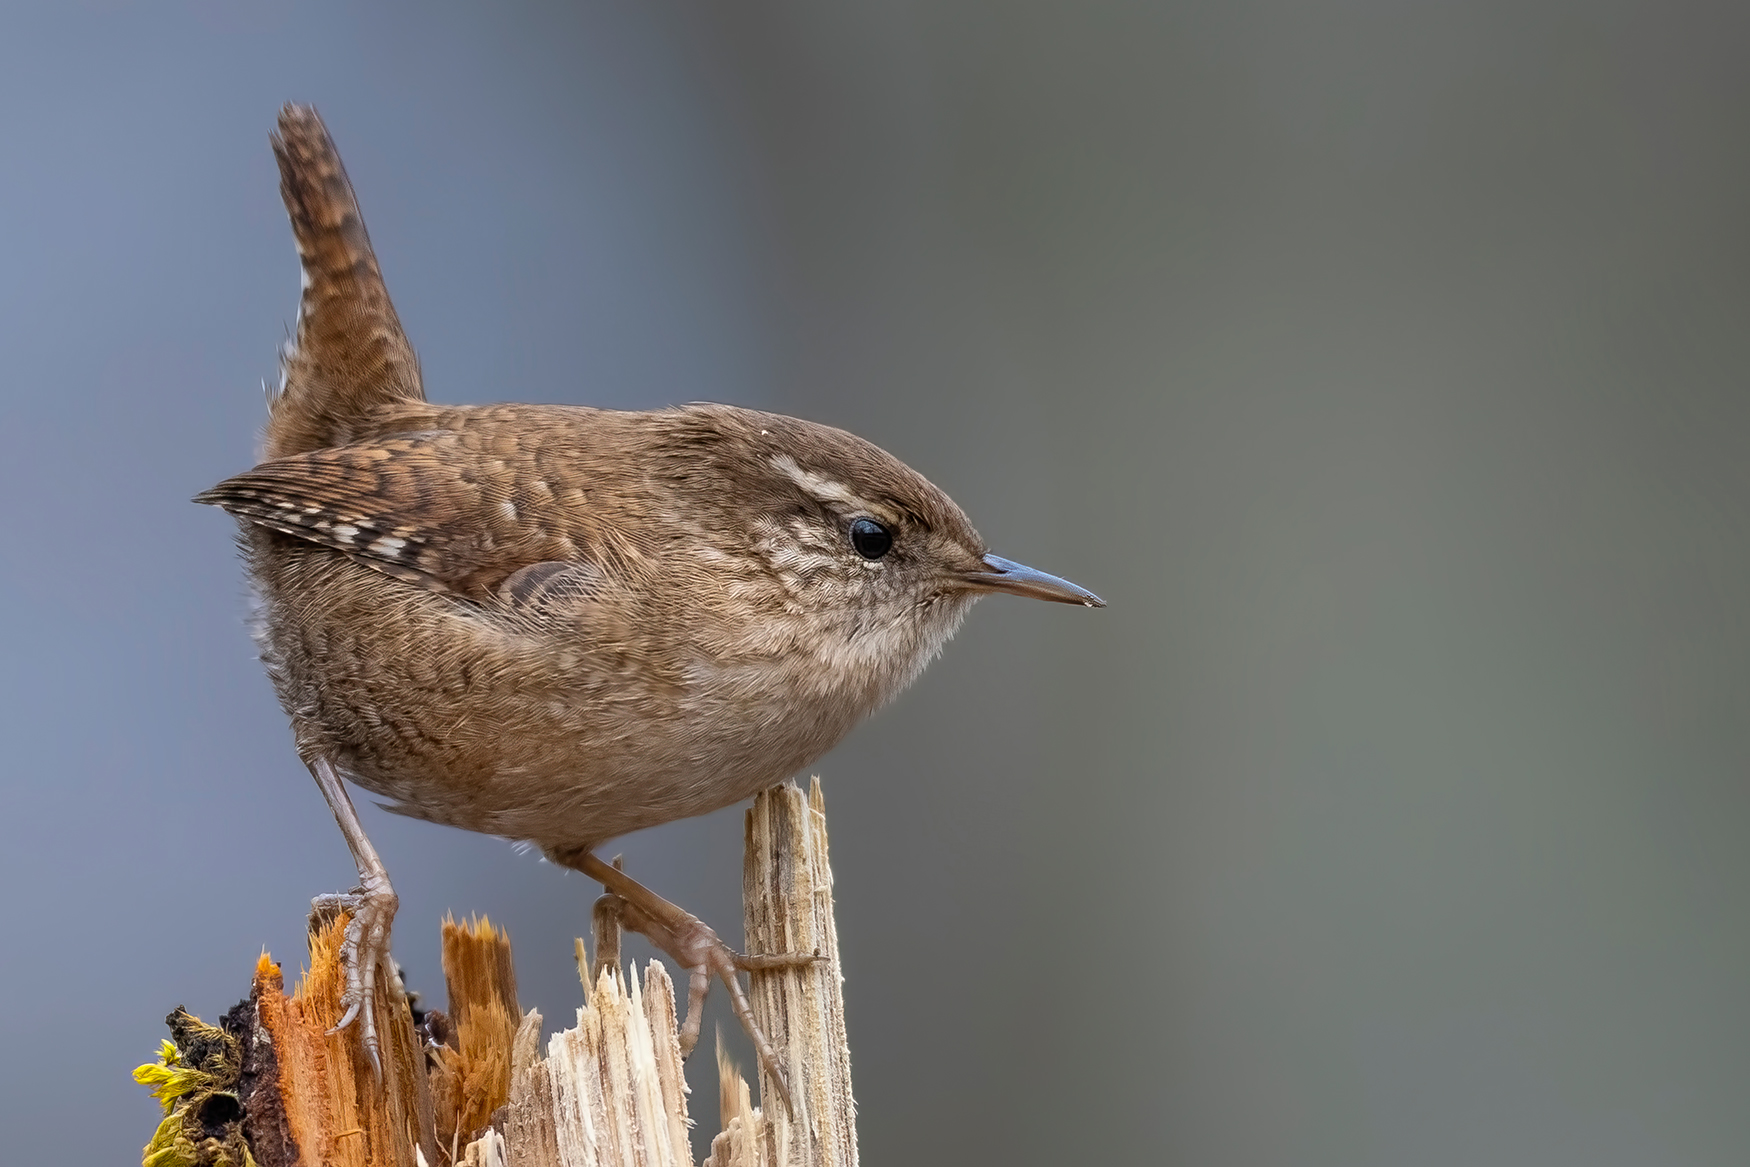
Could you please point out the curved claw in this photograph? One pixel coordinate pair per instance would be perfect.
(363, 948)
(722, 961)
(698, 950)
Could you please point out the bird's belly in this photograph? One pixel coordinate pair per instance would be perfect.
(463, 725)
(580, 773)
(555, 782)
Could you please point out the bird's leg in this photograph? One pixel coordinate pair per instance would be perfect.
(697, 949)
(605, 924)
(371, 908)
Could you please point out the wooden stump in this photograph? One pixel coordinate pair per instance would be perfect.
(271, 1087)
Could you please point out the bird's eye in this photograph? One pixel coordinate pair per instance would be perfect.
(870, 538)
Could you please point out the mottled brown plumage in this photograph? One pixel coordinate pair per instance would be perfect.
(560, 624)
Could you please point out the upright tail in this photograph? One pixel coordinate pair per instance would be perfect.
(350, 356)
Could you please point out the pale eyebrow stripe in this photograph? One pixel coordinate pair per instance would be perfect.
(830, 491)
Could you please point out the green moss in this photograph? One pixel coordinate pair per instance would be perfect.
(195, 1079)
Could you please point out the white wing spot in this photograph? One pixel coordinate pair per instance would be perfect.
(344, 532)
(388, 545)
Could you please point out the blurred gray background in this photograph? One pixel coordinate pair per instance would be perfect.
(1382, 364)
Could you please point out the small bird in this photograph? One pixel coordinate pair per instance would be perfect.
(560, 624)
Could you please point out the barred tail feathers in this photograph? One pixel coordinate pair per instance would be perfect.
(349, 355)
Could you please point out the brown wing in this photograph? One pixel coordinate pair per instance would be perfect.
(428, 508)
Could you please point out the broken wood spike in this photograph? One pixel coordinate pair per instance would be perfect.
(313, 1096)
(786, 898)
(470, 1072)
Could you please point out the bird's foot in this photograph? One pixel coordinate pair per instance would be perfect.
(365, 946)
(700, 951)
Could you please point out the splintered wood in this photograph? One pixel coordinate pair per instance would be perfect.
(311, 1095)
(470, 1052)
(475, 1088)
(786, 898)
(610, 1090)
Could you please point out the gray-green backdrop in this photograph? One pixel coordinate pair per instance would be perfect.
(1382, 364)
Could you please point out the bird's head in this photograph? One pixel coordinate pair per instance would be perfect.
(877, 556)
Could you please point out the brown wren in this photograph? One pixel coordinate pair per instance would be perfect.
(560, 624)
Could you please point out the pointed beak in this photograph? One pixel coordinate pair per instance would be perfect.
(1005, 575)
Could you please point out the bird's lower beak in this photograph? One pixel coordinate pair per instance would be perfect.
(1005, 575)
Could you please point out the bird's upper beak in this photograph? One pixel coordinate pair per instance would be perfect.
(1005, 575)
